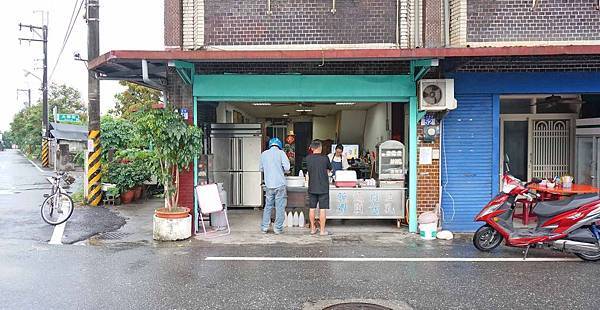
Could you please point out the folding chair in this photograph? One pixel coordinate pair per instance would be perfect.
(209, 202)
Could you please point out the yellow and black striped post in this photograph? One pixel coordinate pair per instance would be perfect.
(45, 153)
(94, 174)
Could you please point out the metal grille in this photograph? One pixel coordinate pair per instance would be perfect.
(551, 153)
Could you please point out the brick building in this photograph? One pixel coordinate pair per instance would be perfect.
(379, 38)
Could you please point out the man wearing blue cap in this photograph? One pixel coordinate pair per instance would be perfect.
(274, 163)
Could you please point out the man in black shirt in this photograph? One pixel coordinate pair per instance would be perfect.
(318, 166)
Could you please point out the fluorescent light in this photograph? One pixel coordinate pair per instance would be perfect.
(262, 104)
(345, 103)
(304, 110)
(285, 115)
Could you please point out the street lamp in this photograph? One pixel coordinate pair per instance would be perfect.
(28, 73)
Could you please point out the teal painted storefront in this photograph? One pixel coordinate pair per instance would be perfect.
(316, 88)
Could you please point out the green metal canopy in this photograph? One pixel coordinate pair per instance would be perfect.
(303, 88)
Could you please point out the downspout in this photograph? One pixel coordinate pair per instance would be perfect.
(398, 23)
(447, 23)
(195, 103)
(417, 24)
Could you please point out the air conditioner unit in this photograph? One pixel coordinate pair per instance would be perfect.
(436, 95)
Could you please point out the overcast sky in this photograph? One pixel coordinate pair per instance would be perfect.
(124, 24)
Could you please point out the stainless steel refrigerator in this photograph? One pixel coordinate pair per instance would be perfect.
(236, 149)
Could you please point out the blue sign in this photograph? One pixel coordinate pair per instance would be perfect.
(72, 118)
(184, 113)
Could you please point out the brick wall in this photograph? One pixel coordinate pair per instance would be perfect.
(231, 22)
(330, 67)
(581, 63)
(516, 20)
(458, 22)
(173, 24)
(433, 23)
(428, 177)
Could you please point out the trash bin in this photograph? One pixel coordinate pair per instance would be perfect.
(218, 220)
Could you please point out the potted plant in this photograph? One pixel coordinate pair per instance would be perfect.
(173, 144)
(122, 175)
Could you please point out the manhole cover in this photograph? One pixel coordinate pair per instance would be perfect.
(356, 306)
(113, 235)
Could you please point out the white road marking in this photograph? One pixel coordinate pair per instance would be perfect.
(36, 166)
(57, 234)
(394, 259)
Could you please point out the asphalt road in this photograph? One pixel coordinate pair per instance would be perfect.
(22, 189)
(178, 276)
(196, 274)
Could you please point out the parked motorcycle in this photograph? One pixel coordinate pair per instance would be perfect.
(569, 225)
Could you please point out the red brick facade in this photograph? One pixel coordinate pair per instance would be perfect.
(234, 22)
(428, 178)
(173, 24)
(518, 20)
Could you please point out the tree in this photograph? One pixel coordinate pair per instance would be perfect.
(174, 145)
(26, 127)
(134, 98)
(67, 100)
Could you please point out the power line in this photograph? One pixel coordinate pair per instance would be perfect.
(70, 27)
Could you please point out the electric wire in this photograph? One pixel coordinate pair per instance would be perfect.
(70, 27)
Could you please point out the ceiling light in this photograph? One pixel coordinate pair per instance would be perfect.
(303, 110)
(285, 115)
(345, 103)
(262, 104)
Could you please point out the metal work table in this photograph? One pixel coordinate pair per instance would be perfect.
(356, 203)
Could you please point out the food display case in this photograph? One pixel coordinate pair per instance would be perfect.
(391, 164)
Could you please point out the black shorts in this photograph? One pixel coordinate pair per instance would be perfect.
(321, 199)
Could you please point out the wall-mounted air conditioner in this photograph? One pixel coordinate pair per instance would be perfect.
(436, 95)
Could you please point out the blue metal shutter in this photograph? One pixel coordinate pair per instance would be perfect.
(467, 161)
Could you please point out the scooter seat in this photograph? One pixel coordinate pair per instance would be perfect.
(551, 208)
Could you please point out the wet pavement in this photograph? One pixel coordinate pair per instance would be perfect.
(122, 268)
(178, 276)
(22, 189)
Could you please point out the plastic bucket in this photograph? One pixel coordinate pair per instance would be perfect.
(428, 231)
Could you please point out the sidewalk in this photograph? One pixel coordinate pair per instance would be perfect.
(245, 230)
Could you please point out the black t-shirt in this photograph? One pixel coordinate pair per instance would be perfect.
(318, 178)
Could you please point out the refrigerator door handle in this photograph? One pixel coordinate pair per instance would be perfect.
(241, 181)
(233, 189)
(241, 154)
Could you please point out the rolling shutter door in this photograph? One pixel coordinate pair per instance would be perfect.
(467, 164)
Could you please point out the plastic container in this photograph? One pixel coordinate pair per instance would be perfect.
(428, 231)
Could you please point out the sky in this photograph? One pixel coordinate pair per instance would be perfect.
(124, 25)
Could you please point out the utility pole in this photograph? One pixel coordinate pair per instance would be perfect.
(19, 90)
(94, 170)
(43, 37)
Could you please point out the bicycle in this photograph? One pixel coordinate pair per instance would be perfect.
(57, 208)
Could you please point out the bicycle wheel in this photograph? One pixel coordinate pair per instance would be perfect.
(57, 214)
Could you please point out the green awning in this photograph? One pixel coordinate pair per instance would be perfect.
(303, 88)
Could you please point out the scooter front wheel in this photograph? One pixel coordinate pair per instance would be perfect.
(589, 257)
(486, 238)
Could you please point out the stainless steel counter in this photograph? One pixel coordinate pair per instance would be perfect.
(363, 203)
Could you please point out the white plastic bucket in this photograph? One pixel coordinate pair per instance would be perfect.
(428, 231)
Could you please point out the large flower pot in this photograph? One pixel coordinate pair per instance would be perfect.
(172, 226)
(127, 197)
(138, 193)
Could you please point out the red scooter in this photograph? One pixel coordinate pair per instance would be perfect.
(569, 225)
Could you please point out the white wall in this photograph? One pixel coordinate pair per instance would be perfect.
(224, 106)
(352, 126)
(324, 127)
(376, 126)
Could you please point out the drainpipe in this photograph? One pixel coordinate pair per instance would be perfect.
(447, 23)
(398, 23)
(195, 224)
(417, 24)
